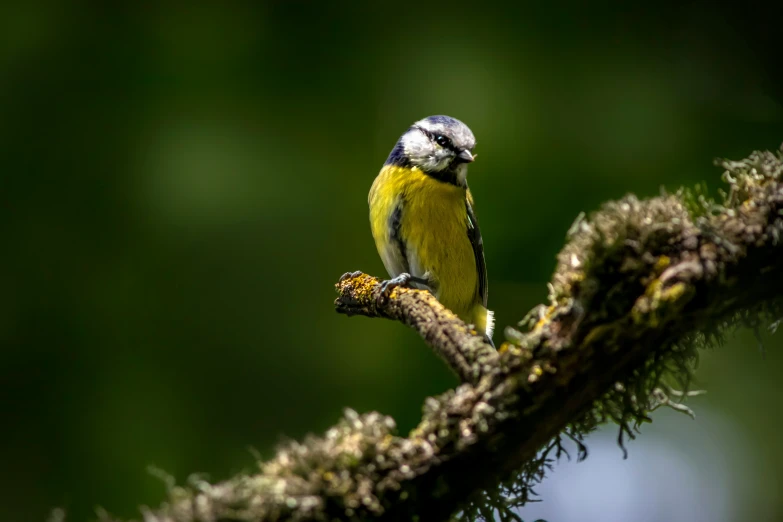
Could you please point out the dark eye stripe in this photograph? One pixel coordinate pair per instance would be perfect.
(440, 139)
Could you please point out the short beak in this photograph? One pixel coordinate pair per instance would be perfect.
(465, 156)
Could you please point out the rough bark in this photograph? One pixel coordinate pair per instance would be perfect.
(636, 282)
(465, 352)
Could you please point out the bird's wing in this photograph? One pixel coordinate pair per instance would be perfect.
(399, 258)
(395, 257)
(474, 234)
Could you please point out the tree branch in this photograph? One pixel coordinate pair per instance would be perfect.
(636, 284)
(461, 348)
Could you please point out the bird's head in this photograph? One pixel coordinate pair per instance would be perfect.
(441, 146)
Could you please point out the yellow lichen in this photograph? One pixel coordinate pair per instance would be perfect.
(535, 372)
(649, 308)
(653, 289)
(547, 316)
(661, 264)
(674, 292)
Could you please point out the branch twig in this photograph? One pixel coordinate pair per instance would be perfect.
(461, 348)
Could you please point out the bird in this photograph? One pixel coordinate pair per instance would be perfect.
(423, 219)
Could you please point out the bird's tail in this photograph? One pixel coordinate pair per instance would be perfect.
(485, 322)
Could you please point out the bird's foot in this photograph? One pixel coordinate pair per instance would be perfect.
(390, 284)
(349, 275)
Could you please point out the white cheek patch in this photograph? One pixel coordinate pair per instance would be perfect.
(420, 150)
(416, 144)
(423, 154)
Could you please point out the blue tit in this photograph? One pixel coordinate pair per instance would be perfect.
(423, 220)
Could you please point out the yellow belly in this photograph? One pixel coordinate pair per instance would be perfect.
(434, 228)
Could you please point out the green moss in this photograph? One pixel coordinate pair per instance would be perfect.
(635, 266)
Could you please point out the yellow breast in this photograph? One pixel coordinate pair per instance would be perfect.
(434, 228)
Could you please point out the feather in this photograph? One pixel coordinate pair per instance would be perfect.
(476, 241)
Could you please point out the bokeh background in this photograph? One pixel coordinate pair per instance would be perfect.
(182, 186)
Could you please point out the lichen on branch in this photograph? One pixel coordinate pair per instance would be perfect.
(465, 352)
(637, 287)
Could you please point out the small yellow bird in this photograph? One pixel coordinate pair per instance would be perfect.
(423, 222)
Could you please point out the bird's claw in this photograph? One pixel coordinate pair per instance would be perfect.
(349, 275)
(390, 284)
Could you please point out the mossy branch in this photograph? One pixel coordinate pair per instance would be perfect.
(636, 284)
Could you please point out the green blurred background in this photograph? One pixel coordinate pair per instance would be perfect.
(183, 185)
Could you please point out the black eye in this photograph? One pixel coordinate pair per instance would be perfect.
(442, 140)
